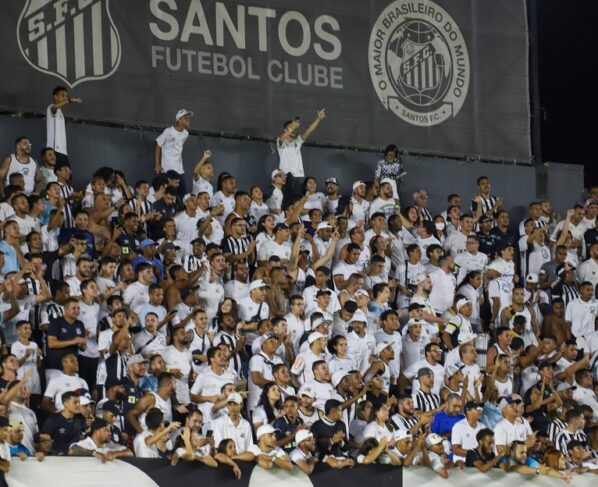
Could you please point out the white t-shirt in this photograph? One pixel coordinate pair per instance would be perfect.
(581, 314)
(63, 383)
(505, 432)
(171, 141)
(55, 130)
(89, 316)
(463, 434)
(241, 434)
(142, 450)
(289, 152)
(136, 295)
(183, 361)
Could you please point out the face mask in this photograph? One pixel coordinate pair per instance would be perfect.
(439, 226)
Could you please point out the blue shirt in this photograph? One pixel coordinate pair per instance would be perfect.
(20, 448)
(491, 415)
(149, 383)
(443, 423)
(155, 263)
(11, 261)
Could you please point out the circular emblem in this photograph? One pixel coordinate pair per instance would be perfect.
(419, 62)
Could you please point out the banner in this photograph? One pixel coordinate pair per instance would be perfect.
(137, 472)
(444, 76)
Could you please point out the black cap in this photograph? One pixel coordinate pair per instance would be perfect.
(111, 382)
(485, 218)
(502, 245)
(111, 407)
(4, 422)
(280, 226)
(98, 424)
(414, 306)
(543, 365)
(472, 405)
(323, 292)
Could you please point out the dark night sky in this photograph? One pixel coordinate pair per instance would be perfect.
(568, 65)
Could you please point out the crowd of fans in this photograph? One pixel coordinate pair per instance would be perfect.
(290, 326)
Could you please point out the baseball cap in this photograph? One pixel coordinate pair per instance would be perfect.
(181, 113)
(307, 391)
(502, 245)
(424, 371)
(258, 283)
(268, 336)
(590, 202)
(98, 424)
(170, 245)
(86, 399)
(451, 370)
(331, 180)
(276, 172)
(401, 434)
(303, 435)
(235, 397)
(414, 321)
(265, 429)
(462, 302)
(433, 439)
(466, 337)
(111, 407)
(564, 386)
(495, 266)
(4, 422)
(381, 346)
(414, 306)
(320, 321)
(337, 377)
(505, 401)
(324, 226)
(358, 316)
(386, 181)
(485, 218)
(316, 335)
(148, 242)
(472, 405)
(361, 292)
(186, 197)
(136, 359)
(323, 292)
(356, 184)
(420, 278)
(532, 278)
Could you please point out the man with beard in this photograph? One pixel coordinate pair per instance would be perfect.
(161, 399)
(179, 362)
(21, 162)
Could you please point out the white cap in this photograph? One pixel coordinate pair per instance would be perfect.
(275, 172)
(356, 184)
(324, 226)
(462, 302)
(381, 346)
(361, 292)
(316, 335)
(320, 321)
(495, 265)
(414, 321)
(420, 278)
(386, 180)
(235, 397)
(337, 377)
(402, 434)
(303, 435)
(259, 283)
(532, 278)
(466, 337)
(358, 316)
(265, 429)
(181, 113)
(86, 399)
(186, 197)
(433, 439)
(307, 391)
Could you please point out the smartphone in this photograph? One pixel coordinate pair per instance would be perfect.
(209, 434)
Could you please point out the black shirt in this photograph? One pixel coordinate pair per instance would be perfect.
(474, 455)
(64, 431)
(63, 331)
(132, 394)
(323, 431)
(487, 244)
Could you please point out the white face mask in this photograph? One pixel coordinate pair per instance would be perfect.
(439, 226)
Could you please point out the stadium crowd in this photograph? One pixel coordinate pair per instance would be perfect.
(291, 325)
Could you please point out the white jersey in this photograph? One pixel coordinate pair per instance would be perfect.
(289, 152)
(27, 170)
(55, 130)
(171, 141)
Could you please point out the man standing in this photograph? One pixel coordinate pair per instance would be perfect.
(289, 149)
(168, 154)
(55, 128)
(21, 162)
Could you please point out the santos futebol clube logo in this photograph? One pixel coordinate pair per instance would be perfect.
(419, 62)
(74, 40)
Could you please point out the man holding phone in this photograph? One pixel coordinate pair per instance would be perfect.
(289, 150)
